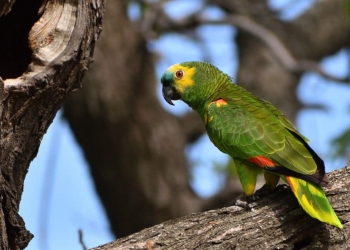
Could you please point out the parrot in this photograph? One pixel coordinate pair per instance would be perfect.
(256, 135)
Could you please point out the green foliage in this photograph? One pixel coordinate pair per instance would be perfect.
(341, 144)
(347, 8)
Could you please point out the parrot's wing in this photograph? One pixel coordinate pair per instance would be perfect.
(283, 119)
(250, 131)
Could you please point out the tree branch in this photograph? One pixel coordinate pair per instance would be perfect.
(274, 222)
(160, 21)
(281, 52)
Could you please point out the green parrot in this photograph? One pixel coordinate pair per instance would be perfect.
(258, 137)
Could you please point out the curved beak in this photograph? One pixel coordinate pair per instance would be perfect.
(169, 92)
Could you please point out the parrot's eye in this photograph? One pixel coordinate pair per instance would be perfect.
(179, 74)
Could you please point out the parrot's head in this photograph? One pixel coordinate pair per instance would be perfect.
(192, 82)
(176, 79)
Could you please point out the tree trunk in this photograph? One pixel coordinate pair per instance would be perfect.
(275, 221)
(136, 156)
(46, 48)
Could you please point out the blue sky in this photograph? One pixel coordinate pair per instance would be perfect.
(59, 197)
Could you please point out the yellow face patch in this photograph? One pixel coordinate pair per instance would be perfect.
(186, 80)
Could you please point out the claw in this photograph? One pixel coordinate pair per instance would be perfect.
(243, 201)
(282, 187)
(264, 190)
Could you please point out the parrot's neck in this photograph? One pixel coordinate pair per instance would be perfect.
(204, 98)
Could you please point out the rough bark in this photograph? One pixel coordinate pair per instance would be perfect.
(61, 36)
(274, 222)
(135, 149)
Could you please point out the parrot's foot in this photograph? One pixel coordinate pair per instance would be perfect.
(264, 190)
(243, 201)
(282, 187)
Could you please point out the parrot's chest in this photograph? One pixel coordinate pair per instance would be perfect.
(228, 129)
(220, 139)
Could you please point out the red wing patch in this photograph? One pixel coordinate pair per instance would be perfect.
(219, 102)
(262, 161)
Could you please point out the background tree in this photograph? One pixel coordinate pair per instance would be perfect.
(138, 148)
(135, 149)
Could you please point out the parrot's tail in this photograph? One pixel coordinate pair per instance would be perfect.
(313, 201)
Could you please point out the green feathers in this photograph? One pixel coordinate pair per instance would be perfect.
(253, 132)
(313, 201)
